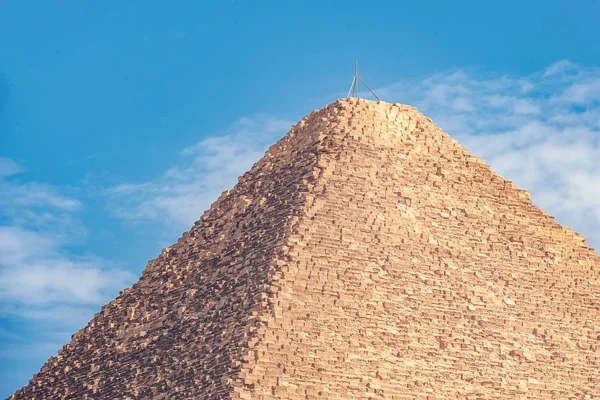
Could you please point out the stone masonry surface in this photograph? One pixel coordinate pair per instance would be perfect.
(367, 255)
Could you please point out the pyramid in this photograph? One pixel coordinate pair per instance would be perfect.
(367, 255)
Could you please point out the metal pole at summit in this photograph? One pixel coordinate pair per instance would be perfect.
(354, 87)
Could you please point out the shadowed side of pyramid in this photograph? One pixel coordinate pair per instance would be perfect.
(367, 255)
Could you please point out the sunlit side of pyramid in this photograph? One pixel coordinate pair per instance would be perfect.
(367, 255)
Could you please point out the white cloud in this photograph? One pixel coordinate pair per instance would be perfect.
(17, 244)
(34, 271)
(34, 194)
(183, 192)
(35, 268)
(581, 92)
(541, 131)
(9, 167)
(560, 67)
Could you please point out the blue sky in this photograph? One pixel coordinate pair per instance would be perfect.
(121, 121)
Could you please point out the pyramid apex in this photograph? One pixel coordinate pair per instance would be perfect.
(357, 101)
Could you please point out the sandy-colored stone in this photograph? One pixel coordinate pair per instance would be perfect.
(367, 255)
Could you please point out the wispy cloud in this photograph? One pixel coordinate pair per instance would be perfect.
(541, 131)
(9, 167)
(34, 271)
(35, 268)
(560, 67)
(181, 194)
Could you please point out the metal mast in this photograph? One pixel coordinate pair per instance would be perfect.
(354, 87)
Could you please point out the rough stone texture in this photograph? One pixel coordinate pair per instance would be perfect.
(367, 255)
